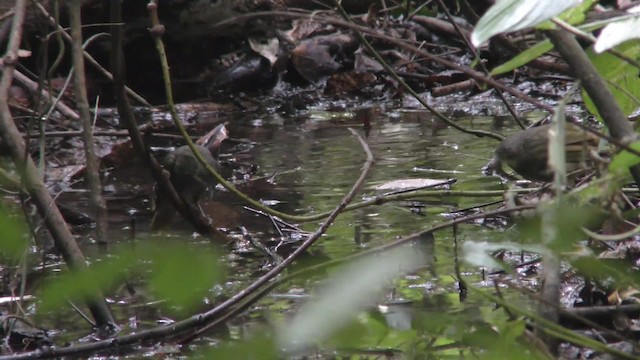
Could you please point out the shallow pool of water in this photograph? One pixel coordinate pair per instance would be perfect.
(315, 161)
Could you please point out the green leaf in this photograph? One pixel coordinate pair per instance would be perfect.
(511, 330)
(481, 336)
(512, 15)
(524, 57)
(350, 291)
(178, 274)
(575, 215)
(568, 226)
(622, 78)
(182, 276)
(573, 16)
(617, 270)
(81, 285)
(366, 330)
(14, 234)
(542, 47)
(556, 148)
(618, 32)
(624, 160)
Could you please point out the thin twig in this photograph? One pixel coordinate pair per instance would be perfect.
(260, 246)
(90, 58)
(56, 225)
(480, 62)
(31, 85)
(92, 174)
(408, 88)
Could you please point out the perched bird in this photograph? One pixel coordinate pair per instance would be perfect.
(190, 178)
(526, 152)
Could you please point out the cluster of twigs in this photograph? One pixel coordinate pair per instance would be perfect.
(31, 178)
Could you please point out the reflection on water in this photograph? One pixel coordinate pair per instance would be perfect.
(327, 160)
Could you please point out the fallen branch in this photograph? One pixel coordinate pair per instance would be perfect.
(33, 86)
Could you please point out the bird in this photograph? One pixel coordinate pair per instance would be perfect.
(188, 176)
(526, 152)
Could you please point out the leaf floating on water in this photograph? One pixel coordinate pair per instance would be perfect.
(404, 184)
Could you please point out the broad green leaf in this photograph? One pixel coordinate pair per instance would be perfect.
(182, 276)
(618, 32)
(524, 57)
(499, 342)
(556, 148)
(513, 329)
(177, 274)
(543, 47)
(617, 270)
(481, 336)
(622, 78)
(568, 225)
(81, 285)
(14, 234)
(624, 160)
(605, 187)
(512, 15)
(573, 16)
(363, 330)
(351, 290)
(577, 14)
